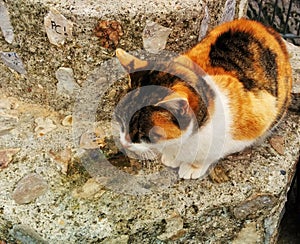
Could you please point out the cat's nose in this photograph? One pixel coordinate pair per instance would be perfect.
(127, 138)
(126, 143)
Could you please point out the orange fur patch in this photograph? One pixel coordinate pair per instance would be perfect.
(253, 111)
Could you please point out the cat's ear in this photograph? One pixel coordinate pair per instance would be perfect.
(184, 61)
(129, 62)
(176, 105)
(185, 66)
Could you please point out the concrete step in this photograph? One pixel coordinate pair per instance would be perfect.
(47, 193)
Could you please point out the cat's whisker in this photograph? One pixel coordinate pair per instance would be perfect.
(149, 155)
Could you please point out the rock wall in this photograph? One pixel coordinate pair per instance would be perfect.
(47, 192)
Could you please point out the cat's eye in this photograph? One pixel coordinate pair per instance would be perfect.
(156, 137)
(157, 133)
(145, 139)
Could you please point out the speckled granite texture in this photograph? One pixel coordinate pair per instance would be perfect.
(46, 193)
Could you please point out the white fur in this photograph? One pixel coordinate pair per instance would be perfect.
(195, 153)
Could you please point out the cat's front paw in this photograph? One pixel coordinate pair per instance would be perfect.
(191, 171)
(169, 160)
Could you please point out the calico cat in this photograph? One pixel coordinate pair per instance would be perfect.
(221, 96)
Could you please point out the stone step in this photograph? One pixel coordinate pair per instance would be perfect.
(47, 193)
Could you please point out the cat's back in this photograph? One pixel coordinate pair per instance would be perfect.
(256, 59)
(245, 49)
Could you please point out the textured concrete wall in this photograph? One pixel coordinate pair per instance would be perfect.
(47, 193)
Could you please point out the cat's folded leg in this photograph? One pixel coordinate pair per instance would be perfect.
(169, 160)
(193, 170)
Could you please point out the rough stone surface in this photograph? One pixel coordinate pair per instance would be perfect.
(29, 188)
(79, 209)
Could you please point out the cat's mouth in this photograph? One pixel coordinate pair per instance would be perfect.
(140, 151)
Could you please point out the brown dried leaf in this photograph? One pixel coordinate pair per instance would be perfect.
(277, 142)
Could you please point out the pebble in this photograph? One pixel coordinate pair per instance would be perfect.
(62, 158)
(58, 28)
(24, 234)
(229, 11)
(155, 37)
(43, 126)
(204, 24)
(92, 140)
(6, 156)
(90, 189)
(8, 116)
(253, 205)
(5, 25)
(244, 155)
(67, 121)
(29, 188)
(13, 61)
(88, 141)
(248, 234)
(66, 82)
(283, 172)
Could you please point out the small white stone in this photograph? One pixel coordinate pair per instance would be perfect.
(44, 125)
(13, 61)
(6, 156)
(229, 11)
(66, 82)
(29, 188)
(8, 116)
(155, 37)
(204, 24)
(62, 159)
(67, 121)
(88, 141)
(58, 28)
(5, 25)
(90, 189)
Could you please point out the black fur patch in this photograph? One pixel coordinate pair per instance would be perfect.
(141, 123)
(234, 51)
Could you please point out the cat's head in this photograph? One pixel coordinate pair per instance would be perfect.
(161, 108)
